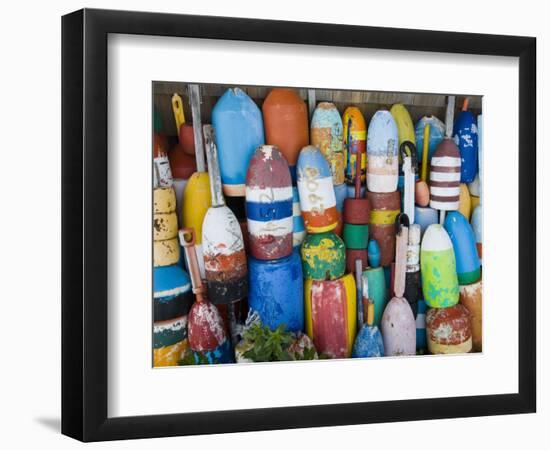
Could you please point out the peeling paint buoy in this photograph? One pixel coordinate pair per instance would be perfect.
(382, 158)
(323, 256)
(471, 298)
(466, 138)
(438, 268)
(269, 204)
(448, 330)
(331, 315)
(276, 291)
(355, 140)
(316, 191)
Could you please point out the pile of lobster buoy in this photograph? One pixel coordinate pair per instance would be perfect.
(284, 235)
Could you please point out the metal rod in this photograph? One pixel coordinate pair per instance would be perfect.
(449, 116)
(311, 101)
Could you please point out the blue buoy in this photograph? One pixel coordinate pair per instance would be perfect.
(466, 138)
(239, 131)
(373, 253)
(276, 291)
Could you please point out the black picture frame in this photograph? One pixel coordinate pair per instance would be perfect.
(84, 224)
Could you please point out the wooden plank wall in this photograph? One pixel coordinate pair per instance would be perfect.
(418, 105)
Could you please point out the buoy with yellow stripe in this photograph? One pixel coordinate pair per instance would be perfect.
(331, 320)
(317, 199)
(398, 325)
(385, 207)
(449, 330)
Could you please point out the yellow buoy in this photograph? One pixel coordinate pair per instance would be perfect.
(196, 201)
(465, 202)
(405, 127)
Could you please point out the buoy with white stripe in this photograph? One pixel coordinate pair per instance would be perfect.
(448, 330)
(382, 158)
(223, 245)
(239, 128)
(208, 340)
(445, 169)
(327, 134)
(477, 226)
(269, 204)
(355, 140)
(298, 228)
(323, 256)
(356, 222)
(438, 268)
(398, 325)
(286, 124)
(466, 138)
(385, 207)
(276, 291)
(471, 298)
(172, 299)
(331, 315)
(460, 231)
(317, 199)
(412, 279)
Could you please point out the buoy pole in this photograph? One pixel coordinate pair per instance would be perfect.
(359, 286)
(213, 168)
(195, 99)
(425, 150)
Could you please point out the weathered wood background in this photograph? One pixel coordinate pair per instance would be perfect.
(418, 105)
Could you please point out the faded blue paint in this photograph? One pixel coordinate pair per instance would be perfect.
(382, 136)
(373, 253)
(466, 138)
(368, 343)
(239, 131)
(425, 216)
(340, 192)
(311, 156)
(437, 133)
(276, 291)
(297, 221)
(351, 191)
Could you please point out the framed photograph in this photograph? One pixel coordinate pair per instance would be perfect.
(273, 225)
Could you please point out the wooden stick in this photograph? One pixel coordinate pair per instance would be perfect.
(213, 167)
(425, 149)
(195, 99)
(441, 217)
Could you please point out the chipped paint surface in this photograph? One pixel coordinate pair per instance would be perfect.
(384, 209)
(382, 159)
(355, 141)
(331, 315)
(448, 330)
(471, 298)
(466, 139)
(368, 343)
(206, 328)
(327, 134)
(323, 256)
